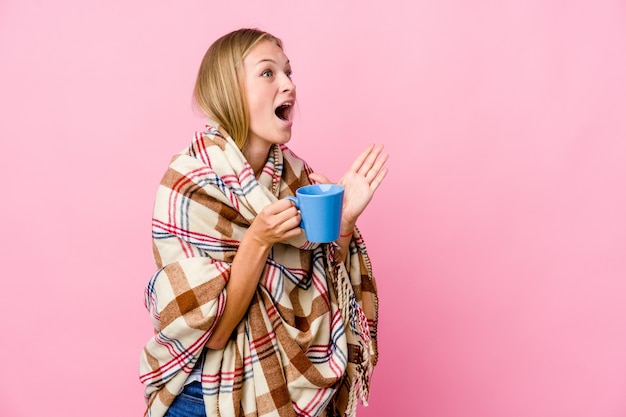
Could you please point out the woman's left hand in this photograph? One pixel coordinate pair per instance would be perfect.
(360, 182)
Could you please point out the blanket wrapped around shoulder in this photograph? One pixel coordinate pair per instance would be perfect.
(307, 344)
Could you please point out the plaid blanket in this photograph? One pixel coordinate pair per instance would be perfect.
(307, 344)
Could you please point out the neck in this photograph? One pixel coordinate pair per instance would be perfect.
(257, 157)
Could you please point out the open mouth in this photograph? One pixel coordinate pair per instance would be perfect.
(283, 112)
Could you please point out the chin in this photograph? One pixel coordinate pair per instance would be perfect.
(284, 137)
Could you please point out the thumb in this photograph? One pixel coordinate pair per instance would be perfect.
(319, 178)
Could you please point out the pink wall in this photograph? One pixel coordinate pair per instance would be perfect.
(499, 236)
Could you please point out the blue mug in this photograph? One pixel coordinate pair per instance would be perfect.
(320, 206)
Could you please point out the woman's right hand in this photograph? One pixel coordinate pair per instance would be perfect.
(277, 222)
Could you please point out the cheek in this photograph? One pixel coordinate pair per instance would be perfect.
(258, 106)
(255, 110)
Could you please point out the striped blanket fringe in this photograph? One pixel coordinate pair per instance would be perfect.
(356, 322)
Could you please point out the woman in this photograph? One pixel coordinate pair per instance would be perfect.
(250, 318)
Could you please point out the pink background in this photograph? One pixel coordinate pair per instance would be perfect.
(498, 238)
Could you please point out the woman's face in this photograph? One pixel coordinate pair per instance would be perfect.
(270, 94)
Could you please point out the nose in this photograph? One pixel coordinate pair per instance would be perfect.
(287, 84)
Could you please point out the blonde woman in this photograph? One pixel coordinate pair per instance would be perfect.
(251, 319)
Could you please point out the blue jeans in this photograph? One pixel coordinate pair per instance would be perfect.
(188, 403)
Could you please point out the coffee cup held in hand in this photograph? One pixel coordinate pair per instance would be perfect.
(320, 206)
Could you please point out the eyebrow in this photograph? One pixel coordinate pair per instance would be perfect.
(270, 60)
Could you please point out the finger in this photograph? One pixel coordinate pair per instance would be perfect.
(378, 179)
(378, 165)
(358, 162)
(279, 206)
(284, 220)
(290, 221)
(372, 157)
(319, 178)
(370, 160)
(292, 233)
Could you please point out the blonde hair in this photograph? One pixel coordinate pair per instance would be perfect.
(219, 90)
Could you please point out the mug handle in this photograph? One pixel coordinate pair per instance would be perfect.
(295, 200)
